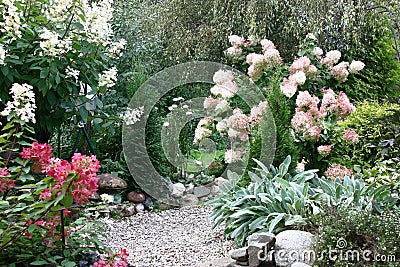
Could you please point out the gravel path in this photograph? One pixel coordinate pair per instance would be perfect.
(171, 238)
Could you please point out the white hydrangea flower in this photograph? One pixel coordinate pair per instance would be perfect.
(23, 102)
(11, 21)
(2, 54)
(299, 77)
(356, 66)
(97, 18)
(52, 45)
(108, 78)
(131, 116)
(115, 49)
(71, 72)
(57, 10)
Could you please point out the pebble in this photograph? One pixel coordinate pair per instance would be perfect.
(174, 237)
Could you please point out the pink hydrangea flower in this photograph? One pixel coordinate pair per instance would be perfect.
(324, 150)
(312, 134)
(236, 41)
(344, 105)
(300, 64)
(267, 44)
(307, 103)
(356, 66)
(299, 77)
(257, 112)
(301, 121)
(232, 156)
(350, 136)
(340, 71)
(331, 58)
(337, 171)
(288, 87)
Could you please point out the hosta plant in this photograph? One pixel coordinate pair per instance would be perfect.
(275, 200)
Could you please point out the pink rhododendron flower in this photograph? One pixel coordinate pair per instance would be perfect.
(5, 184)
(337, 171)
(350, 136)
(4, 172)
(324, 150)
(100, 263)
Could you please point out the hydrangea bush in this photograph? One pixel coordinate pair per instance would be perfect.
(61, 50)
(312, 85)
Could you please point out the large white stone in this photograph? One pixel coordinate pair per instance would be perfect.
(177, 190)
(294, 246)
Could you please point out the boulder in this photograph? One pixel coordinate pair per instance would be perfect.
(239, 254)
(130, 210)
(148, 202)
(215, 190)
(135, 197)
(189, 189)
(109, 182)
(189, 200)
(220, 181)
(139, 208)
(294, 242)
(201, 191)
(299, 264)
(177, 190)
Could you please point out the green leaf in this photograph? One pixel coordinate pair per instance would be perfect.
(84, 113)
(275, 221)
(44, 73)
(67, 200)
(39, 262)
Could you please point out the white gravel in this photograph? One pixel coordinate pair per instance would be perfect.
(170, 238)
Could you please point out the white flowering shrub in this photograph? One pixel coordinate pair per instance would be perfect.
(61, 50)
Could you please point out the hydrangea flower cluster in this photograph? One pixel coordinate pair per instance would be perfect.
(237, 43)
(23, 102)
(131, 116)
(108, 78)
(225, 86)
(337, 171)
(11, 22)
(53, 45)
(82, 168)
(260, 62)
(202, 130)
(2, 54)
(232, 156)
(309, 120)
(350, 136)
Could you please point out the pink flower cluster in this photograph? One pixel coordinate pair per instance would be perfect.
(337, 171)
(331, 58)
(308, 119)
(82, 168)
(202, 131)
(260, 62)
(117, 260)
(5, 183)
(236, 126)
(324, 150)
(257, 112)
(300, 69)
(350, 136)
(225, 86)
(216, 104)
(232, 156)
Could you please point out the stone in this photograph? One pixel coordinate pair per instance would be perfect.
(299, 264)
(201, 191)
(94, 196)
(255, 251)
(214, 189)
(267, 238)
(189, 189)
(148, 202)
(296, 243)
(220, 181)
(222, 262)
(177, 190)
(139, 208)
(239, 254)
(130, 210)
(111, 182)
(135, 197)
(189, 200)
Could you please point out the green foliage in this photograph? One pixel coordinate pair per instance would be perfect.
(364, 121)
(378, 233)
(275, 200)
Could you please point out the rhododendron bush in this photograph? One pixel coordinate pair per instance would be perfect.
(312, 85)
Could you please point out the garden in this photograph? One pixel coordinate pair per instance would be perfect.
(199, 133)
